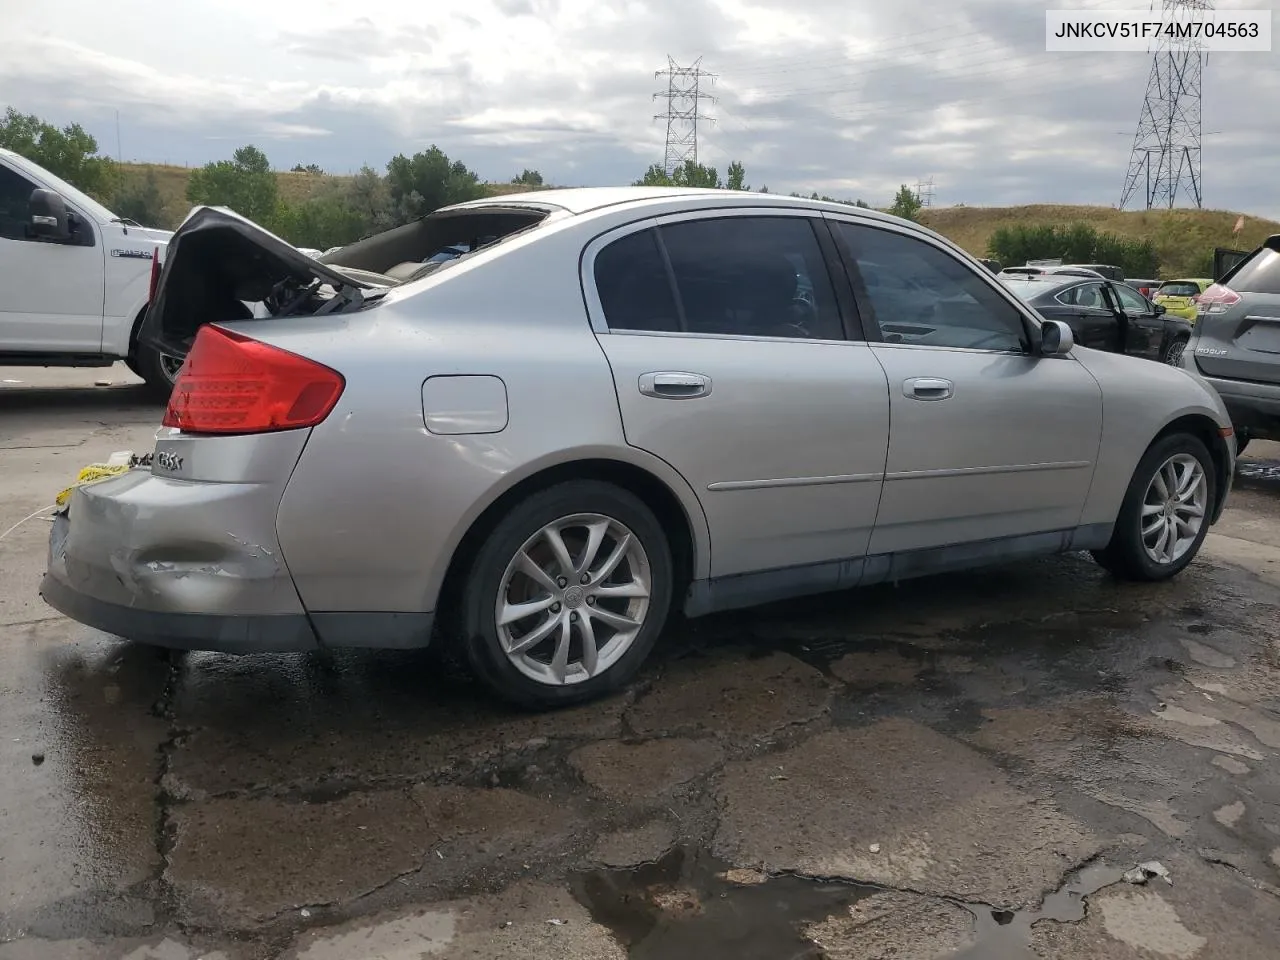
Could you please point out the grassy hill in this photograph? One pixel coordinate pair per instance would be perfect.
(1182, 238)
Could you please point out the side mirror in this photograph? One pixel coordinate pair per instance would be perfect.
(1160, 308)
(1056, 339)
(49, 219)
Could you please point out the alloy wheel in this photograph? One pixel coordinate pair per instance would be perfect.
(1174, 508)
(573, 599)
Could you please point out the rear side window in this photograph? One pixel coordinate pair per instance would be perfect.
(753, 276)
(1260, 274)
(633, 285)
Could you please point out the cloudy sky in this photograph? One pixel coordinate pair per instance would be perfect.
(848, 98)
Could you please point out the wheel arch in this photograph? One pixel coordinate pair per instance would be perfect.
(1206, 430)
(680, 515)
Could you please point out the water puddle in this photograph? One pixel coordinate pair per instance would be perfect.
(1006, 934)
(683, 907)
(690, 906)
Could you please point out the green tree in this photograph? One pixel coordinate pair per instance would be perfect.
(688, 174)
(370, 196)
(1073, 243)
(736, 176)
(528, 178)
(906, 204)
(245, 183)
(428, 181)
(325, 221)
(314, 169)
(69, 153)
(139, 200)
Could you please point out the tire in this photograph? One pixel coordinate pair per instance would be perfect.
(1127, 556)
(159, 372)
(1173, 356)
(530, 679)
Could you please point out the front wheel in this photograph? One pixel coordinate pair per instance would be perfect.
(1164, 517)
(566, 599)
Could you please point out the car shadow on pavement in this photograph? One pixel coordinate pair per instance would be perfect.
(77, 398)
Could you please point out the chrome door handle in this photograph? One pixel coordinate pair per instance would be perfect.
(674, 386)
(928, 388)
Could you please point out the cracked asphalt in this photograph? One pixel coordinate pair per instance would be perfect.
(953, 767)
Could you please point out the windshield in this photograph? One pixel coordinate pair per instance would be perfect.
(1175, 289)
(69, 193)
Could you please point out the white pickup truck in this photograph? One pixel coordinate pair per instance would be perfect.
(75, 279)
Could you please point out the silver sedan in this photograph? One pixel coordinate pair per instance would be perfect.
(531, 426)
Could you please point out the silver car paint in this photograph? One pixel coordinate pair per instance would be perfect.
(370, 517)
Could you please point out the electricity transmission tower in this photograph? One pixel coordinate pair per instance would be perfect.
(924, 192)
(1166, 149)
(683, 94)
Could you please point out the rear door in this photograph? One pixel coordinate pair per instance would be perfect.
(1095, 322)
(1241, 340)
(990, 440)
(1144, 329)
(728, 345)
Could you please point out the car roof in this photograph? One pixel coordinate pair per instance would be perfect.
(578, 200)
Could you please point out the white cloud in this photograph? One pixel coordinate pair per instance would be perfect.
(845, 99)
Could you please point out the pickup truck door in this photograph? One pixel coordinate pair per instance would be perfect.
(52, 292)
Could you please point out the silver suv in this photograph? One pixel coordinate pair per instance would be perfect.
(1235, 344)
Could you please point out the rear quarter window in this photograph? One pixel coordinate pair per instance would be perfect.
(1259, 274)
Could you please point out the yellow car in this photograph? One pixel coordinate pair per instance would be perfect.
(1177, 296)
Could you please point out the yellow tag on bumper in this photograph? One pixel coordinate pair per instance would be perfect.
(92, 474)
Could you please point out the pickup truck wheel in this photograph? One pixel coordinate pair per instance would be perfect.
(159, 370)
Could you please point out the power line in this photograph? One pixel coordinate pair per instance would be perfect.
(683, 95)
(924, 192)
(1167, 147)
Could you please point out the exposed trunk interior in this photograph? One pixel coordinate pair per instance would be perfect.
(221, 267)
(415, 249)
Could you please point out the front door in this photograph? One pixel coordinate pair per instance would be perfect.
(733, 365)
(51, 294)
(989, 441)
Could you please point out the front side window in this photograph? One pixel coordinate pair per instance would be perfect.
(753, 276)
(923, 295)
(15, 205)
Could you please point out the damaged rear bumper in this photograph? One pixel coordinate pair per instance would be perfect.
(195, 565)
(176, 564)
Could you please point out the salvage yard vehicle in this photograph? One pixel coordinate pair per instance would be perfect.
(74, 278)
(1105, 315)
(534, 451)
(1236, 346)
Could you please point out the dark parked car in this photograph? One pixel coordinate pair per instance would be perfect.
(1237, 344)
(1105, 315)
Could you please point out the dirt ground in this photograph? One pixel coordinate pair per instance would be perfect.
(954, 767)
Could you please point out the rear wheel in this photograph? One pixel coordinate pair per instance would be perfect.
(158, 369)
(567, 597)
(1165, 514)
(1173, 356)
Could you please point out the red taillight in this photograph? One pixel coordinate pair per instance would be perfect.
(231, 383)
(1217, 299)
(155, 275)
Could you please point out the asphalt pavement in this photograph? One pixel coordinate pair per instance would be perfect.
(964, 766)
